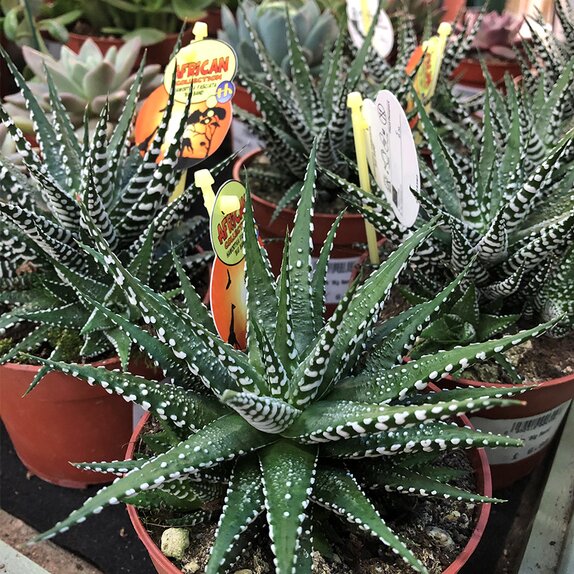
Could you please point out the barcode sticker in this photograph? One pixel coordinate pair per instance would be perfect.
(339, 272)
(535, 431)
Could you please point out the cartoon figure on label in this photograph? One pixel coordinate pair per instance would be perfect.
(206, 125)
(201, 128)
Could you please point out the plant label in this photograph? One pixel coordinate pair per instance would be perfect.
(360, 15)
(227, 286)
(204, 66)
(392, 155)
(207, 125)
(339, 272)
(207, 67)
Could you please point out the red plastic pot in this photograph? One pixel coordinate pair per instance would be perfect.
(64, 419)
(484, 486)
(469, 72)
(156, 53)
(345, 253)
(536, 423)
(242, 99)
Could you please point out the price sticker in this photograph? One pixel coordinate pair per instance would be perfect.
(392, 155)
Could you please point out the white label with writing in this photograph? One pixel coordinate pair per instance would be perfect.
(383, 36)
(392, 154)
(339, 272)
(536, 432)
(137, 413)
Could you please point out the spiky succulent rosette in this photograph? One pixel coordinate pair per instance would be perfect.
(125, 192)
(277, 427)
(506, 200)
(547, 53)
(300, 108)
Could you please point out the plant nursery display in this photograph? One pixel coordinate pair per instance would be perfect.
(85, 82)
(275, 402)
(507, 211)
(280, 426)
(127, 190)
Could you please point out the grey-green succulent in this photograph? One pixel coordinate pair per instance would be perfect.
(125, 191)
(85, 82)
(506, 202)
(316, 32)
(315, 412)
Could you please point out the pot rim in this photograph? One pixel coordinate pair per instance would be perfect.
(28, 367)
(477, 458)
(544, 384)
(240, 163)
(114, 39)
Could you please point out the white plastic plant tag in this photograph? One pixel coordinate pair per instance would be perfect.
(383, 37)
(392, 154)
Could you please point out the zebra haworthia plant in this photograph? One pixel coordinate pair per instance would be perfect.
(506, 202)
(278, 429)
(298, 109)
(126, 194)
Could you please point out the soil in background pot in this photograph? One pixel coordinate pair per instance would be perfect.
(436, 530)
(537, 360)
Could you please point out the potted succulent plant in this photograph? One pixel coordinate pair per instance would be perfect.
(296, 109)
(127, 193)
(155, 23)
(313, 412)
(508, 212)
(315, 30)
(85, 82)
(495, 44)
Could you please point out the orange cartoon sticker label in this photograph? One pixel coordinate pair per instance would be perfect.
(205, 64)
(226, 223)
(207, 125)
(227, 288)
(229, 302)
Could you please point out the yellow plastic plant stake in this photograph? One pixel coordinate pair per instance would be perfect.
(444, 31)
(355, 103)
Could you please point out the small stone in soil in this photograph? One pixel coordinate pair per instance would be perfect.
(174, 542)
(441, 537)
(191, 567)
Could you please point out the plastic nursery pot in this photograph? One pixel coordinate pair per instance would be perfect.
(483, 482)
(469, 72)
(155, 54)
(63, 419)
(536, 423)
(345, 252)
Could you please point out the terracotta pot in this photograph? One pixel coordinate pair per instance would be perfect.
(469, 72)
(535, 423)
(345, 252)
(484, 486)
(64, 419)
